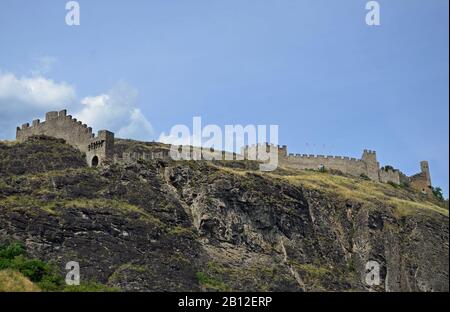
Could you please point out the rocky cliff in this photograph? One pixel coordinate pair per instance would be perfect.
(188, 226)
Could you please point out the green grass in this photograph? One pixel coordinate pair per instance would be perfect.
(310, 269)
(210, 282)
(52, 206)
(13, 257)
(89, 287)
(403, 201)
(13, 281)
(179, 230)
(18, 272)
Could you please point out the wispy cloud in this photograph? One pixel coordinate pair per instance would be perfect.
(25, 98)
(43, 65)
(117, 109)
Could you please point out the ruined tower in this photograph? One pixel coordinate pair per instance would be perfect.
(62, 126)
(372, 165)
(425, 169)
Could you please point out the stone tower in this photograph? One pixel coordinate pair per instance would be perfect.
(372, 165)
(425, 169)
(62, 126)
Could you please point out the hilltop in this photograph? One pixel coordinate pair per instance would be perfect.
(161, 225)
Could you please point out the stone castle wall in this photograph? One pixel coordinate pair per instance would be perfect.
(345, 164)
(101, 148)
(60, 125)
(389, 175)
(368, 166)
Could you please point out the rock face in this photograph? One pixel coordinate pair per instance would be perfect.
(188, 226)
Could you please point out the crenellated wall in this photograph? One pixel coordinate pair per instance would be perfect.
(60, 125)
(345, 164)
(368, 166)
(101, 148)
(422, 181)
(389, 175)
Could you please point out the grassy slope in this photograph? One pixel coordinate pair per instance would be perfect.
(38, 184)
(405, 201)
(13, 281)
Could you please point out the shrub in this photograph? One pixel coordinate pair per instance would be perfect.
(210, 282)
(364, 176)
(11, 251)
(13, 281)
(437, 191)
(393, 184)
(90, 287)
(13, 258)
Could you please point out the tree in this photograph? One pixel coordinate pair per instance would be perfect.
(437, 191)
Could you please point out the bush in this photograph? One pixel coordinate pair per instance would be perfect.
(90, 287)
(210, 282)
(364, 176)
(437, 191)
(13, 257)
(11, 251)
(387, 168)
(393, 184)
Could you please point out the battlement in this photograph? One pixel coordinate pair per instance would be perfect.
(100, 147)
(74, 132)
(367, 165)
(37, 124)
(132, 157)
(320, 157)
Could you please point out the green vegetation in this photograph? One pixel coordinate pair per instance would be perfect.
(43, 275)
(437, 191)
(20, 273)
(51, 207)
(90, 287)
(394, 185)
(364, 176)
(38, 155)
(210, 282)
(311, 270)
(13, 281)
(403, 200)
(179, 230)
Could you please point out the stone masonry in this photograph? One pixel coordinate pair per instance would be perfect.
(60, 125)
(367, 166)
(101, 147)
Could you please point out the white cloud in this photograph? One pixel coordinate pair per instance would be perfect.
(176, 140)
(138, 128)
(35, 92)
(44, 65)
(25, 98)
(117, 110)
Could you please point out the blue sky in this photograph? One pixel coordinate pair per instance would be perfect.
(333, 84)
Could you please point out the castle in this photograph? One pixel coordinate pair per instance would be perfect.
(368, 166)
(62, 126)
(101, 147)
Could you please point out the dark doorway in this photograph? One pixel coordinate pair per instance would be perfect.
(94, 162)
